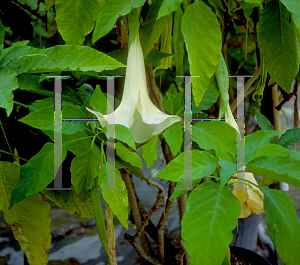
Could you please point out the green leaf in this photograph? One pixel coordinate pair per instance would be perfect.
(256, 140)
(152, 27)
(280, 168)
(65, 58)
(227, 170)
(174, 102)
(75, 19)
(84, 169)
(294, 7)
(26, 217)
(155, 55)
(73, 205)
(174, 137)
(44, 119)
(36, 174)
(178, 41)
(117, 199)
(203, 38)
(203, 164)
(128, 156)
(9, 82)
(223, 85)
(206, 236)
(277, 42)
(150, 151)
(122, 134)
(167, 7)
(248, 7)
(99, 101)
(78, 143)
(283, 224)
(19, 50)
(263, 121)
(48, 4)
(109, 13)
(210, 96)
(216, 135)
(253, 1)
(134, 24)
(290, 136)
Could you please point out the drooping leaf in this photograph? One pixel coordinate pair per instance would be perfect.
(202, 35)
(99, 101)
(174, 137)
(152, 27)
(117, 199)
(26, 217)
(75, 19)
(128, 156)
(48, 4)
(109, 13)
(277, 42)
(201, 225)
(36, 174)
(223, 85)
(9, 82)
(65, 58)
(280, 168)
(73, 205)
(167, 7)
(150, 151)
(203, 164)
(256, 140)
(84, 169)
(179, 190)
(178, 41)
(290, 136)
(216, 135)
(283, 224)
(122, 134)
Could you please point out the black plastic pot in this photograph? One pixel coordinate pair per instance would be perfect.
(238, 254)
(248, 256)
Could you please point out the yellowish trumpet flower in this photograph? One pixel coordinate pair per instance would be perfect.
(136, 111)
(249, 200)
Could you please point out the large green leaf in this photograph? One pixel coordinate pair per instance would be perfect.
(211, 214)
(203, 38)
(216, 135)
(37, 173)
(294, 7)
(174, 137)
(283, 225)
(290, 136)
(167, 7)
(99, 102)
(280, 168)
(203, 164)
(44, 119)
(277, 43)
(223, 85)
(65, 58)
(73, 205)
(152, 27)
(75, 19)
(128, 156)
(227, 170)
(109, 13)
(256, 140)
(9, 82)
(150, 151)
(117, 199)
(84, 169)
(29, 219)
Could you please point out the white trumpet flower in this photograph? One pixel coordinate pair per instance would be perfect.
(136, 111)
